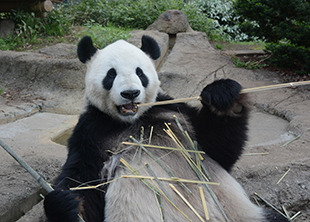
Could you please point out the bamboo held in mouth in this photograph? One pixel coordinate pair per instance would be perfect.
(255, 89)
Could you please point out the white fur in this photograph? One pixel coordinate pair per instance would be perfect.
(124, 58)
(131, 200)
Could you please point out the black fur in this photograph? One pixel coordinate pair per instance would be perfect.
(221, 94)
(86, 49)
(273, 216)
(221, 137)
(109, 79)
(150, 47)
(142, 76)
(67, 209)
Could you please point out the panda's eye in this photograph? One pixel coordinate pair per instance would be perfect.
(139, 72)
(109, 79)
(111, 73)
(142, 76)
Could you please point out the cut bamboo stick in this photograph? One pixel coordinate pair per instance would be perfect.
(176, 179)
(283, 176)
(249, 90)
(205, 209)
(162, 147)
(186, 201)
(31, 171)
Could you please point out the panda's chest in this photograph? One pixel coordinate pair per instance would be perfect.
(156, 129)
(130, 199)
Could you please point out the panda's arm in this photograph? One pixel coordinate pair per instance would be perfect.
(83, 165)
(222, 122)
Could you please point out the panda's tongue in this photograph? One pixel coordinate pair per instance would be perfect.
(129, 108)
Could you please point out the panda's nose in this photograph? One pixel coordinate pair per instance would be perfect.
(130, 94)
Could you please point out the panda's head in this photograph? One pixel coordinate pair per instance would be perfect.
(120, 76)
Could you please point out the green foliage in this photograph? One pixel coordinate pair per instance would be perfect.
(126, 13)
(276, 19)
(290, 56)
(214, 17)
(224, 18)
(30, 29)
(285, 24)
(199, 21)
(139, 14)
(218, 46)
(249, 64)
(105, 35)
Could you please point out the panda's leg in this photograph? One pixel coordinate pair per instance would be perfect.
(273, 216)
(63, 204)
(222, 122)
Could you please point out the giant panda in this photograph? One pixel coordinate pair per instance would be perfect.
(119, 77)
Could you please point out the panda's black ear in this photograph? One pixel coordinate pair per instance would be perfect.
(150, 47)
(86, 49)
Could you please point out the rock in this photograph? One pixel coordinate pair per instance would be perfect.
(191, 62)
(171, 22)
(161, 38)
(31, 139)
(60, 50)
(6, 28)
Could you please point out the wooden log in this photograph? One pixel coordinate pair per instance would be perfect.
(44, 6)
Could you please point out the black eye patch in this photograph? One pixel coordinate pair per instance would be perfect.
(109, 79)
(142, 76)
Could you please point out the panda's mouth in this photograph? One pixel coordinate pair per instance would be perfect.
(128, 109)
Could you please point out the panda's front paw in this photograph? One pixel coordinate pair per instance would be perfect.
(222, 96)
(61, 206)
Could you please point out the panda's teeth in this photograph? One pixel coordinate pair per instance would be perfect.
(130, 108)
(124, 110)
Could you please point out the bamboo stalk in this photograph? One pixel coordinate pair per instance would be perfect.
(187, 203)
(269, 204)
(255, 89)
(94, 186)
(181, 100)
(286, 212)
(202, 177)
(175, 179)
(171, 202)
(159, 163)
(161, 147)
(31, 171)
(137, 173)
(204, 203)
(292, 140)
(295, 216)
(158, 198)
(158, 182)
(283, 176)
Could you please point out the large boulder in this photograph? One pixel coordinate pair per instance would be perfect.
(171, 22)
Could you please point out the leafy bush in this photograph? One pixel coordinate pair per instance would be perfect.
(126, 13)
(224, 18)
(29, 29)
(215, 17)
(199, 21)
(141, 13)
(285, 24)
(290, 56)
